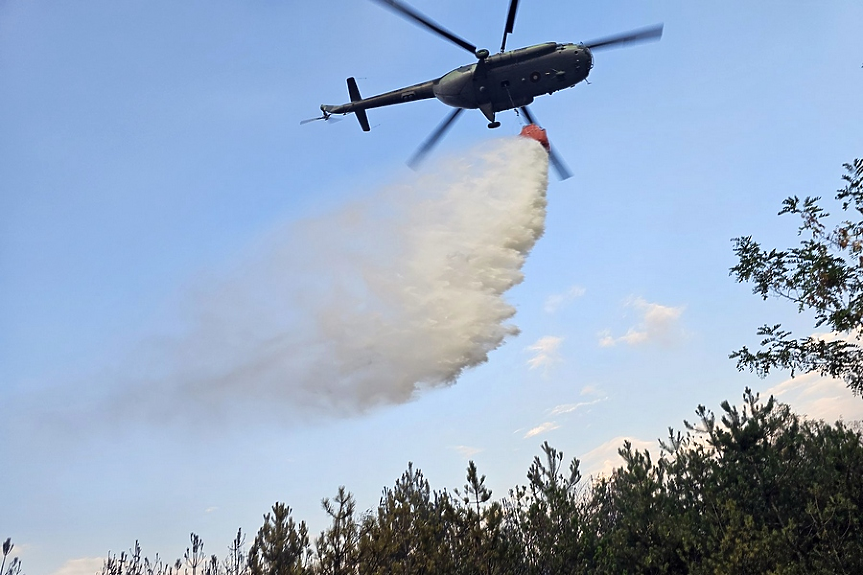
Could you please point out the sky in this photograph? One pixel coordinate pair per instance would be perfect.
(153, 170)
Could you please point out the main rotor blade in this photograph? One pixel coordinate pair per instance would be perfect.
(510, 22)
(642, 35)
(412, 14)
(430, 142)
(562, 171)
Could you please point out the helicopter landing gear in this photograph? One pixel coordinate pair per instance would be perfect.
(488, 111)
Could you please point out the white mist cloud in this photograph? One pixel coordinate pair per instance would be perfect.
(818, 397)
(556, 301)
(604, 459)
(399, 291)
(542, 428)
(570, 407)
(545, 352)
(658, 324)
(590, 390)
(81, 566)
(466, 451)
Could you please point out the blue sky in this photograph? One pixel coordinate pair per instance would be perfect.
(149, 150)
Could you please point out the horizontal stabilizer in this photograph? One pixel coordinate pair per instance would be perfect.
(354, 92)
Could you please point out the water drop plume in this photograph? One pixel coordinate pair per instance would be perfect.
(399, 291)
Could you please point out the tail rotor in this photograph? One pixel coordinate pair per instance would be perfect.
(327, 117)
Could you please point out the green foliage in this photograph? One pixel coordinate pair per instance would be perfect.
(476, 531)
(546, 516)
(281, 546)
(194, 556)
(337, 546)
(824, 274)
(752, 489)
(133, 563)
(194, 560)
(14, 565)
(406, 534)
(236, 563)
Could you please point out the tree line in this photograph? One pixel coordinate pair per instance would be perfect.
(754, 489)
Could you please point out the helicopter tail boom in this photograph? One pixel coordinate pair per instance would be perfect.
(359, 105)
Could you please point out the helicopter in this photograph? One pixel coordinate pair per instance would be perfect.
(508, 80)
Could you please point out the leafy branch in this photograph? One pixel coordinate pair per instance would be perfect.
(823, 274)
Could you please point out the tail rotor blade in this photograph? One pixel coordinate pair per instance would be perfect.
(412, 14)
(642, 35)
(325, 117)
(432, 140)
(510, 22)
(310, 120)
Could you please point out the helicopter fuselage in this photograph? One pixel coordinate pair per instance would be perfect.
(493, 84)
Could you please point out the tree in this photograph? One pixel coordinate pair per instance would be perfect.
(134, 563)
(824, 274)
(194, 555)
(476, 532)
(408, 533)
(754, 488)
(782, 491)
(281, 546)
(546, 516)
(757, 489)
(15, 565)
(236, 563)
(337, 547)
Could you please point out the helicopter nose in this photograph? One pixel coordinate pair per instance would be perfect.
(588, 57)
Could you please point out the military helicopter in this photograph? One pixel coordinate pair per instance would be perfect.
(495, 82)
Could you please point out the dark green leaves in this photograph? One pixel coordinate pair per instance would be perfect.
(824, 275)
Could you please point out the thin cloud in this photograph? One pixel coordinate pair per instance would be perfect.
(545, 352)
(570, 407)
(542, 428)
(556, 301)
(658, 324)
(81, 566)
(602, 460)
(466, 451)
(818, 397)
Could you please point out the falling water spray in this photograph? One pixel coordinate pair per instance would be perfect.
(399, 291)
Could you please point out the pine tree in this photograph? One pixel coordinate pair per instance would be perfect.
(337, 547)
(281, 546)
